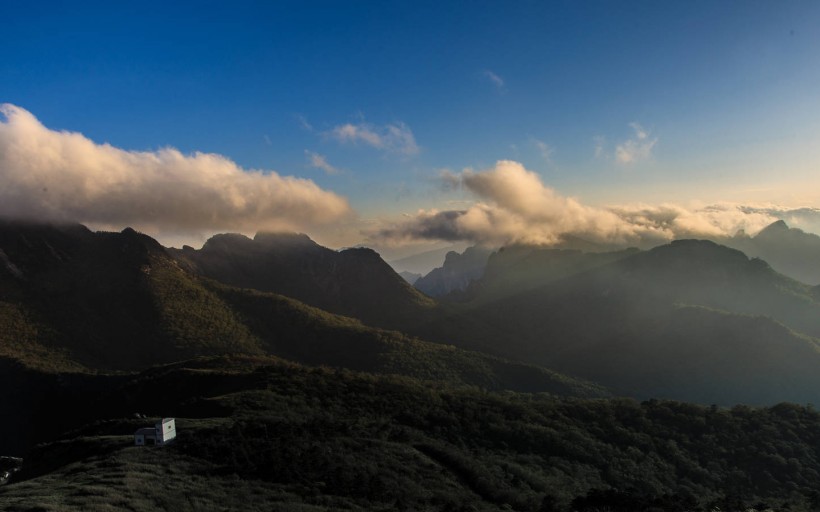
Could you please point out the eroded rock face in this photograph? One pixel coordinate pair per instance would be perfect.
(457, 272)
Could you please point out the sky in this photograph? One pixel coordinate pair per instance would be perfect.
(402, 125)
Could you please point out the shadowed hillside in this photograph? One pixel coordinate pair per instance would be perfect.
(691, 320)
(79, 303)
(109, 300)
(118, 301)
(352, 282)
(517, 268)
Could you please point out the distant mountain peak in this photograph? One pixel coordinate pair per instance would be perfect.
(451, 257)
(143, 240)
(696, 256)
(225, 240)
(457, 272)
(777, 226)
(365, 252)
(353, 282)
(283, 238)
(699, 248)
(790, 251)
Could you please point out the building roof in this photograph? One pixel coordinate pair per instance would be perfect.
(146, 431)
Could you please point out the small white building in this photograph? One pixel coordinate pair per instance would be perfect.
(160, 434)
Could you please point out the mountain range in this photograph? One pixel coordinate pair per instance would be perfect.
(790, 251)
(499, 396)
(691, 320)
(119, 301)
(352, 282)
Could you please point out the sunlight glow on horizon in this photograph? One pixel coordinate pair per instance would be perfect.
(608, 105)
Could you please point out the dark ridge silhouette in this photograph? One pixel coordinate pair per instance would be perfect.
(352, 282)
(79, 302)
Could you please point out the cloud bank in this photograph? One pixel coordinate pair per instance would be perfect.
(514, 206)
(60, 175)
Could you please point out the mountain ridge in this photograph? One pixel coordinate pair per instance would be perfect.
(647, 323)
(353, 282)
(790, 251)
(119, 302)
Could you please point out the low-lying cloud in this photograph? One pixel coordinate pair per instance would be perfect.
(60, 175)
(514, 206)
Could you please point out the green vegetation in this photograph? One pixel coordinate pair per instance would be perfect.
(283, 437)
(195, 319)
(428, 426)
(117, 301)
(308, 335)
(24, 339)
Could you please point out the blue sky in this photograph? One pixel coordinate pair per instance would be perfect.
(637, 102)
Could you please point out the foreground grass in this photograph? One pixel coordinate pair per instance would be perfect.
(285, 437)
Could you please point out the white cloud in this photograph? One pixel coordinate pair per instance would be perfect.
(636, 149)
(355, 133)
(676, 221)
(514, 206)
(303, 122)
(496, 80)
(60, 175)
(320, 162)
(394, 137)
(806, 217)
(545, 149)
